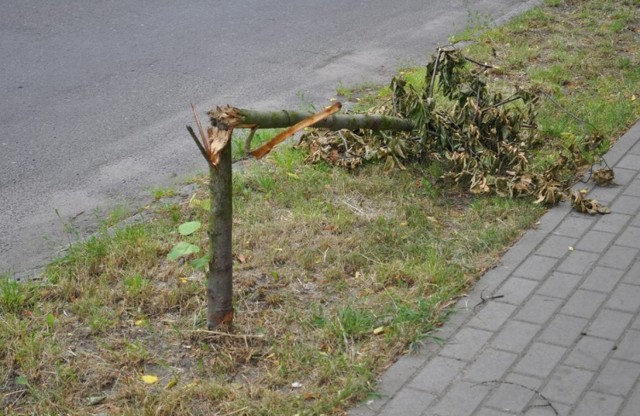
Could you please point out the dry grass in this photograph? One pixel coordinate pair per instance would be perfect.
(336, 273)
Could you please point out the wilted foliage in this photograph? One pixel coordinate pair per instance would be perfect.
(484, 140)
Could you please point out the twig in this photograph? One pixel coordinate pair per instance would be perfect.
(480, 63)
(226, 334)
(200, 147)
(247, 143)
(526, 388)
(483, 299)
(433, 75)
(557, 104)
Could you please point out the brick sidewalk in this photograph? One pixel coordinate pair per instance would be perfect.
(563, 338)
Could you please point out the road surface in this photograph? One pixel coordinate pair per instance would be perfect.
(94, 95)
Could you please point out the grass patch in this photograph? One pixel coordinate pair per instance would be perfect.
(336, 273)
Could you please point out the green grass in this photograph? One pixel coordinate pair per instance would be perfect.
(336, 273)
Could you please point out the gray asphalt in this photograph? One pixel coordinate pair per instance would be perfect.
(94, 95)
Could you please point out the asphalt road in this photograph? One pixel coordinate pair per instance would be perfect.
(94, 94)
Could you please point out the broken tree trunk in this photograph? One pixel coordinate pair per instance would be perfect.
(243, 118)
(215, 146)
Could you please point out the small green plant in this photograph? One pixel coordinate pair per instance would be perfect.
(160, 193)
(184, 248)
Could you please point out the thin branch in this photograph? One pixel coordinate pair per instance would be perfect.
(247, 143)
(433, 74)
(557, 104)
(226, 334)
(480, 63)
(197, 142)
(205, 141)
(526, 388)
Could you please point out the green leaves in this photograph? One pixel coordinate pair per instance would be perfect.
(189, 228)
(182, 249)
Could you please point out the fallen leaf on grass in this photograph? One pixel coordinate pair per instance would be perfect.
(379, 330)
(149, 379)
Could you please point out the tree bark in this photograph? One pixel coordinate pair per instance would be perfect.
(220, 275)
(243, 118)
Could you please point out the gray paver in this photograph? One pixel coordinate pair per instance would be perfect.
(540, 359)
(598, 404)
(629, 348)
(466, 343)
(437, 374)
(556, 246)
(492, 316)
(625, 298)
(567, 384)
(578, 262)
(559, 285)
(589, 353)
(625, 204)
(514, 394)
(602, 279)
(538, 309)
(629, 161)
(595, 241)
(516, 290)
(630, 237)
(461, 400)
(619, 257)
(515, 336)
(574, 225)
(408, 402)
(489, 365)
(617, 377)
(612, 223)
(609, 324)
(632, 407)
(563, 330)
(535, 267)
(632, 276)
(583, 303)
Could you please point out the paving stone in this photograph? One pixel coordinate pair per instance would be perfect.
(514, 394)
(535, 267)
(461, 400)
(398, 374)
(574, 225)
(629, 347)
(542, 407)
(486, 411)
(617, 377)
(466, 343)
(590, 353)
(618, 257)
(559, 285)
(611, 223)
(563, 330)
(595, 241)
(602, 279)
(625, 205)
(515, 336)
(492, 316)
(629, 161)
(609, 324)
(515, 290)
(583, 303)
(625, 298)
(629, 237)
(598, 404)
(632, 407)
(636, 323)
(567, 384)
(556, 246)
(632, 276)
(578, 262)
(605, 194)
(408, 402)
(540, 360)
(633, 189)
(538, 309)
(437, 374)
(489, 365)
